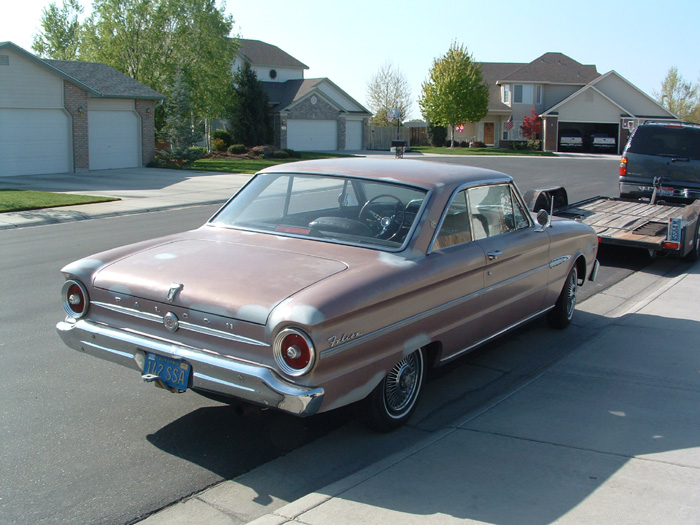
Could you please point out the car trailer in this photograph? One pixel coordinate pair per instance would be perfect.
(661, 228)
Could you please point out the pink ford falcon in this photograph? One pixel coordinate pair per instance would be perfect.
(325, 283)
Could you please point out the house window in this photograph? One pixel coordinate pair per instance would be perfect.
(506, 94)
(522, 93)
(538, 96)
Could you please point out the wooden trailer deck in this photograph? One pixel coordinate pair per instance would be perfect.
(625, 222)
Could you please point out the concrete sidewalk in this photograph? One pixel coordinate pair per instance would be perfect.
(140, 190)
(608, 434)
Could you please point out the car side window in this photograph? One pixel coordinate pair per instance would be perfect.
(455, 225)
(495, 210)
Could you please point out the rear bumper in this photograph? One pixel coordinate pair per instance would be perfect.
(641, 190)
(211, 372)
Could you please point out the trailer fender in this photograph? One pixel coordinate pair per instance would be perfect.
(542, 198)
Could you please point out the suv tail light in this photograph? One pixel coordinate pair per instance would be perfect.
(294, 352)
(623, 167)
(75, 299)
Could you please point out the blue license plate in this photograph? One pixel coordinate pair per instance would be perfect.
(172, 372)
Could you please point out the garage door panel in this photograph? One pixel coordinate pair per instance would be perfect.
(114, 139)
(35, 141)
(312, 135)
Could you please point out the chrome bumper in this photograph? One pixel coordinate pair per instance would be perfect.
(211, 372)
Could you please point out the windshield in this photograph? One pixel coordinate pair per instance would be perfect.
(330, 208)
(667, 141)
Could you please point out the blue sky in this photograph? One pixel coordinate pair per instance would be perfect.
(348, 42)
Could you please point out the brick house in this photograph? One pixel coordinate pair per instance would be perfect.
(65, 116)
(566, 95)
(309, 114)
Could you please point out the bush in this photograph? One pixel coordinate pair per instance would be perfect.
(237, 149)
(436, 135)
(280, 154)
(534, 144)
(519, 145)
(195, 153)
(165, 159)
(464, 144)
(293, 154)
(218, 145)
(223, 135)
(477, 144)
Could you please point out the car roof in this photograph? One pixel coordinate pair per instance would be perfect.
(426, 174)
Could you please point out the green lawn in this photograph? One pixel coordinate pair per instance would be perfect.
(235, 165)
(22, 200)
(480, 151)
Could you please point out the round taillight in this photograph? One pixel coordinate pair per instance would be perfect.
(294, 352)
(75, 299)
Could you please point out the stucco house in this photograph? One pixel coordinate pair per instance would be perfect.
(310, 114)
(567, 95)
(61, 116)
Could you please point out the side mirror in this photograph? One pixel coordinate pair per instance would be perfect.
(543, 220)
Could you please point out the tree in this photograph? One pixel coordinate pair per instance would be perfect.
(59, 37)
(680, 97)
(455, 92)
(388, 90)
(250, 119)
(178, 127)
(531, 126)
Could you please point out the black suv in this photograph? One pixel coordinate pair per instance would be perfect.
(669, 150)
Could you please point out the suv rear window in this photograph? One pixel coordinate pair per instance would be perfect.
(667, 141)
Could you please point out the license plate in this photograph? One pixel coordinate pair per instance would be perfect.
(172, 372)
(665, 192)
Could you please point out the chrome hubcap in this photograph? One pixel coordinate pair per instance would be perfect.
(571, 299)
(402, 382)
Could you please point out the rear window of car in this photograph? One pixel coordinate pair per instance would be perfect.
(330, 208)
(666, 141)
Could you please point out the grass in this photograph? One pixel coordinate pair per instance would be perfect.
(236, 165)
(481, 151)
(22, 200)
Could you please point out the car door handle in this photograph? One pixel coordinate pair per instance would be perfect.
(494, 255)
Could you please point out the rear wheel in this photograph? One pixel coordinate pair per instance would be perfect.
(562, 313)
(394, 400)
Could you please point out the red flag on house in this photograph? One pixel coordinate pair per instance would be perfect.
(509, 123)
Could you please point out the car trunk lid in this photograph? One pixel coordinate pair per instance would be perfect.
(232, 279)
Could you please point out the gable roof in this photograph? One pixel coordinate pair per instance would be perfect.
(285, 94)
(553, 68)
(100, 80)
(263, 54)
(105, 80)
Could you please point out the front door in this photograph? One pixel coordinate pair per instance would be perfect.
(489, 133)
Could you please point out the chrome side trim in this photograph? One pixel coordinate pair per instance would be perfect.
(559, 260)
(494, 336)
(184, 325)
(329, 352)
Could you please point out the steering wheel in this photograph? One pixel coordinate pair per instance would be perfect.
(374, 215)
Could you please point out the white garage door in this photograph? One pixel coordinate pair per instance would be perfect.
(114, 139)
(312, 135)
(353, 135)
(34, 141)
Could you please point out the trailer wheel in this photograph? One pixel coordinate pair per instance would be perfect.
(694, 254)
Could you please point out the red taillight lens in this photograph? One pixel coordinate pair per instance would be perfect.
(75, 299)
(294, 352)
(623, 167)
